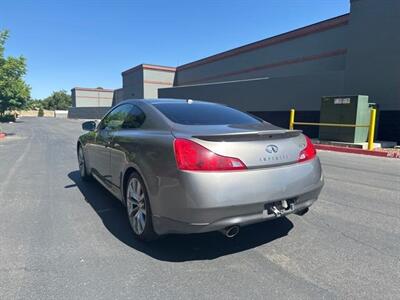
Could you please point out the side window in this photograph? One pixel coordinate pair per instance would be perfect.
(115, 119)
(134, 119)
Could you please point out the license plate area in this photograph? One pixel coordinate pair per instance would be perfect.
(277, 208)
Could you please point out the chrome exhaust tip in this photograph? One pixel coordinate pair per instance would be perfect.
(231, 231)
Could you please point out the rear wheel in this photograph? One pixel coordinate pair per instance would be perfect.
(82, 165)
(138, 209)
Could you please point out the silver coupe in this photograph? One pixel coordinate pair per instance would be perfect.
(187, 166)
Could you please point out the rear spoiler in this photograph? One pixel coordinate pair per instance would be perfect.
(248, 135)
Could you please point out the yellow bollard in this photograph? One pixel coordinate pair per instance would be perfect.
(291, 120)
(371, 132)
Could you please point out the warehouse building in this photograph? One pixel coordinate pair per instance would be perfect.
(353, 54)
(90, 103)
(143, 81)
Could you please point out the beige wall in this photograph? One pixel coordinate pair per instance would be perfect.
(154, 80)
(143, 81)
(82, 97)
(34, 113)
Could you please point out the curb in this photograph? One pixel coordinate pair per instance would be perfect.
(2, 135)
(357, 151)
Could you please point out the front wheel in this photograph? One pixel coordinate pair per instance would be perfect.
(82, 165)
(138, 208)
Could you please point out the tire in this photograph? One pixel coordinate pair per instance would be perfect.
(138, 208)
(302, 212)
(85, 175)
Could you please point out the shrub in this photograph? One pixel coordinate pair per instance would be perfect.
(7, 118)
(40, 112)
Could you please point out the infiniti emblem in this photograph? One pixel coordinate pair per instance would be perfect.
(271, 148)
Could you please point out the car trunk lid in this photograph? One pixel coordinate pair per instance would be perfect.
(256, 145)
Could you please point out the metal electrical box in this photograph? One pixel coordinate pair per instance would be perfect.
(344, 110)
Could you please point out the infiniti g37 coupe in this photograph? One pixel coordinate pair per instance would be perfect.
(185, 166)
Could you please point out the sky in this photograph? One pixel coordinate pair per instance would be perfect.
(88, 43)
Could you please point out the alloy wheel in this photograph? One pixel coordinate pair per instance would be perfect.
(136, 206)
(81, 161)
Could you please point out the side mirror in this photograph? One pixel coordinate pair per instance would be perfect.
(89, 126)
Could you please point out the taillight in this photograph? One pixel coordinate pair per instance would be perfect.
(308, 152)
(194, 157)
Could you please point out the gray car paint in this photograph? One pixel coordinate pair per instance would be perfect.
(188, 201)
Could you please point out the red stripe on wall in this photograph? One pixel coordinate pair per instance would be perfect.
(91, 89)
(94, 97)
(149, 67)
(158, 82)
(159, 68)
(311, 29)
(270, 66)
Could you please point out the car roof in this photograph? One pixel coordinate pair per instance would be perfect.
(164, 100)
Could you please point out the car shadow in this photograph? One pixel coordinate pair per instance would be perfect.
(176, 248)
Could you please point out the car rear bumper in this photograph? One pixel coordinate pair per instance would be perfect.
(205, 202)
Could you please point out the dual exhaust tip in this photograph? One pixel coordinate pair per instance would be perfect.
(231, 231)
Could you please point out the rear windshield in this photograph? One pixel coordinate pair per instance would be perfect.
(204, 114)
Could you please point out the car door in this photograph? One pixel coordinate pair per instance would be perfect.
(101, 151)
(125, 143)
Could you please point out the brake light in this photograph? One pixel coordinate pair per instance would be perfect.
(194, 157)
(308, 152)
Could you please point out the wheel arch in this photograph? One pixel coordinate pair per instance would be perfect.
(128, 172)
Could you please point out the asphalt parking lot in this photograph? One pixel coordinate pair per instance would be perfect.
(61, 238)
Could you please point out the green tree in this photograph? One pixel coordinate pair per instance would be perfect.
(14, 92)
(58, 100)
(34, 104)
